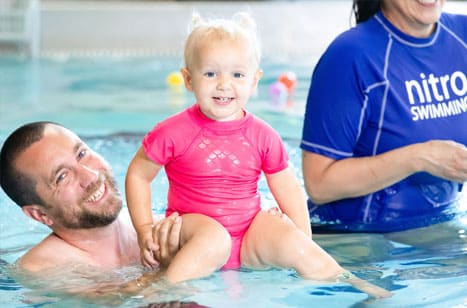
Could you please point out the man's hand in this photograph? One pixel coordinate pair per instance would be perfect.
(166, 235)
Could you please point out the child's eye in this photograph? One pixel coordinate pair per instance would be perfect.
(238, 75)
(210, 74)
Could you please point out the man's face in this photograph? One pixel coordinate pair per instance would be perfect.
(75, 183)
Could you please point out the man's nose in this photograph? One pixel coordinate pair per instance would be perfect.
(87, 175)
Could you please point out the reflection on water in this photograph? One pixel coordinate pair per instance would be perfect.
(84, 284)
(175, 304)
(395, 266)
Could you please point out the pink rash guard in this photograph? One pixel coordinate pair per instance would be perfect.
(213, 167)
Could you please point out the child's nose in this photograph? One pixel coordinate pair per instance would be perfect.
(223, 83)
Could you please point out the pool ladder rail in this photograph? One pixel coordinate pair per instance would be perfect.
(20, 26)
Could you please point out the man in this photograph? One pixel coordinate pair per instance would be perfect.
(59, 181)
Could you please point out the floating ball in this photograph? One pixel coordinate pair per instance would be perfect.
(289, 79)
(175, 79)
(278, 93)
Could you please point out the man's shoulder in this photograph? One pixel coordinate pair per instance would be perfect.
(50, 252)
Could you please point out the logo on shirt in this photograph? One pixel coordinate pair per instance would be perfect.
(437, 96)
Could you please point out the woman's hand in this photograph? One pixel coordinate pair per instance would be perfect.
(445, 159)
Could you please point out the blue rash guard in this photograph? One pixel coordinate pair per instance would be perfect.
(376, 89)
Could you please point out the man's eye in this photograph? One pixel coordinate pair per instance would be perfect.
(61, 177)
(82, 153)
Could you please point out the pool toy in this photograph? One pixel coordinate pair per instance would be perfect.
(174, 79)
(278, 93)
(289, 79)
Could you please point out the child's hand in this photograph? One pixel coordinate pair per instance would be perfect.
(166, 235)
(275, 211)
(147, 247)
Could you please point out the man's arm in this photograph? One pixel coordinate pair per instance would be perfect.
(43, 262)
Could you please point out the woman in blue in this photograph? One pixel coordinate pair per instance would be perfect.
(385, 131)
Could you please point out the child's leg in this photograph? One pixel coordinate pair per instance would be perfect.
(273, 241)
(205, 247)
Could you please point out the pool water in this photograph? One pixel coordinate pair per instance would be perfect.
(111, 102)
(107, 95)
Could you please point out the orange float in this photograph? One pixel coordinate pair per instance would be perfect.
(289, 79)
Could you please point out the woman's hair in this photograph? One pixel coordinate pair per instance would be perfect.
(365, 9)
(240, 27)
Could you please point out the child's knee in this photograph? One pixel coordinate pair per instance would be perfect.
(217, 243)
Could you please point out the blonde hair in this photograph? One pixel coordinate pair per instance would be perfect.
(240, 27)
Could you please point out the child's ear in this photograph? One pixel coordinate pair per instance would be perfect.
(187, 79)
(36, 212)
(258, 76)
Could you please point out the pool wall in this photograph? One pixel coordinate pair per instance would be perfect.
(288, 29)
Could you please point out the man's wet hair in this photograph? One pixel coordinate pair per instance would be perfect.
(19, 187)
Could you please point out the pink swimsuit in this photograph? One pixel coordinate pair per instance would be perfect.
(214, 167)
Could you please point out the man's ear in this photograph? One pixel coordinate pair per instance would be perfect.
(187, 79)
(37, 213)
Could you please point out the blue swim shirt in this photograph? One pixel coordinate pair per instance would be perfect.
(376, 89)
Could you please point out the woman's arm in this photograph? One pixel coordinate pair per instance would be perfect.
(327, 180)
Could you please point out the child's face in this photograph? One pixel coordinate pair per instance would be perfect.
(223, 76)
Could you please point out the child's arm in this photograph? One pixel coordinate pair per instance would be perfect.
(290, 197)
(138, 195)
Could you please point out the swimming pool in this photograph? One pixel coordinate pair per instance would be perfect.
(112, 101)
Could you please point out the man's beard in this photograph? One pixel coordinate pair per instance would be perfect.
(86, 219)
